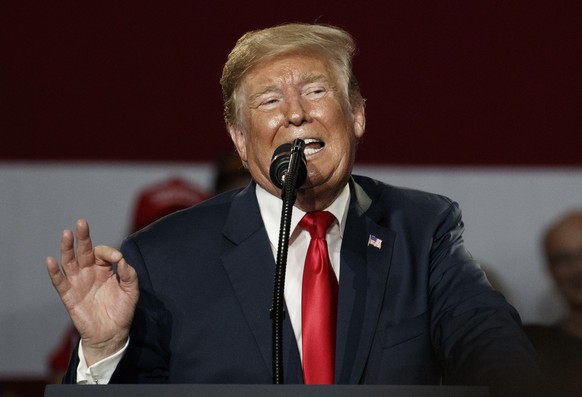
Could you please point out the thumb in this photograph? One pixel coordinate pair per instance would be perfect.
(127, 275)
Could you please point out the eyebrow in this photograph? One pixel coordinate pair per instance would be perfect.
(313, 78)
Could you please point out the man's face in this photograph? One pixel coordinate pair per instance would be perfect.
(297, 96)
(564, 252)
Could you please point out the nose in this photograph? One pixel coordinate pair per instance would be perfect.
(296, 112)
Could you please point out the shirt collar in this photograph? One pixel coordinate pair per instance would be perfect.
(271, 207)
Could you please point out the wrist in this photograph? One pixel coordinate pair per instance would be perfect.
(95, 352)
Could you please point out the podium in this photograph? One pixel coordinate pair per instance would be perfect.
(205, 390)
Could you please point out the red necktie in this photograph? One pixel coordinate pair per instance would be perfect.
(318, 303)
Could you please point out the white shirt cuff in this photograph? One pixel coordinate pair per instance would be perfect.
(100, 372)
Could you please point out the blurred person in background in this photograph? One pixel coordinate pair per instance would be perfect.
(164, 198)
(230, 173)
(559, 345)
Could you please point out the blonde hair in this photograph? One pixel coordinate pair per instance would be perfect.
(330, 42)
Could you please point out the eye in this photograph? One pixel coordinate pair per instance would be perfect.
(315, 91)
(269, 101)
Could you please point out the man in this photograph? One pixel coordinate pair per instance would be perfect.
(413, 306)
(560, 345)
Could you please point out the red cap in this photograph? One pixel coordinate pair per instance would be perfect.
(164, 198)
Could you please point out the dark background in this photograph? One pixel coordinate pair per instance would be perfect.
(447, 82)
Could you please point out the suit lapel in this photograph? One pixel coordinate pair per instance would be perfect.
(251, 268)
(363, 279)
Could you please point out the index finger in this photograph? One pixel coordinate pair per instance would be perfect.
(107, 254)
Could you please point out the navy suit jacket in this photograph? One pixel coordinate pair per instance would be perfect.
(417, 310)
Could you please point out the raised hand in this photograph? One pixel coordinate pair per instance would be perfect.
(101, 306)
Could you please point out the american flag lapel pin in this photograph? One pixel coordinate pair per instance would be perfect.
(374, 241)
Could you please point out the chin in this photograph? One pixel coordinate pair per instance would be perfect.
(314, 179)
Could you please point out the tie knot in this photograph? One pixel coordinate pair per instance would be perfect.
(317, 223)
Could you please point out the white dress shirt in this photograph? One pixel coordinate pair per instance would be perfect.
(299, 239)
(270, 207)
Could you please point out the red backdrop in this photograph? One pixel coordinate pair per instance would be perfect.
(447, 82)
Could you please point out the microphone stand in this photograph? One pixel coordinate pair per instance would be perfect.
(288, 195)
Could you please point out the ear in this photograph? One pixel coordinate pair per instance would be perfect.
(238, 138)
(359, 115)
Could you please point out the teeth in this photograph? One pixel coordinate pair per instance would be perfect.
(310, 151)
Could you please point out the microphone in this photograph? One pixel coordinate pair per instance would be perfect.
(288, 171)
(285, 156)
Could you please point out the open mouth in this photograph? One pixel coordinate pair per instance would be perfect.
(313, 146)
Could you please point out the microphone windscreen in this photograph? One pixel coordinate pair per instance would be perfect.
(280, 164)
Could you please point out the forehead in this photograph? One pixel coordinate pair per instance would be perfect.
(288, 69)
